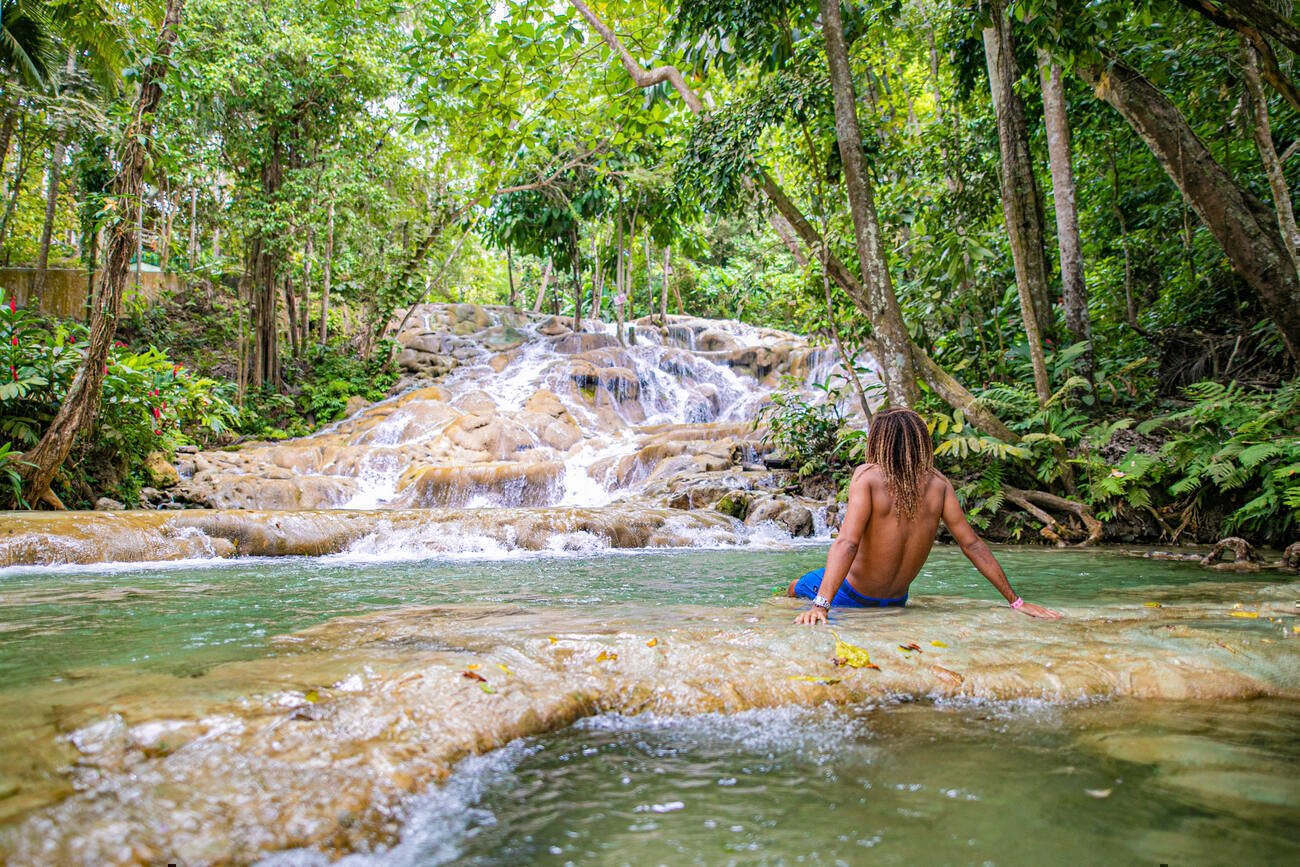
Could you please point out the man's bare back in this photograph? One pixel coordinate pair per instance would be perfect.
(880, 552)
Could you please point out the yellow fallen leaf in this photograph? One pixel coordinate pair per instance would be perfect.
(552, 639)
(606, 656)
(652, 642)
(1248, 614)
(504, 668)
(812, 678)
(1153, 605)
(312, 696)
(852, 655)
(472, 666)
(487, 688)
(937, 644)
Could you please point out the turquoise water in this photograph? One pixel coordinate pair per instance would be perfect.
(183, 618)
(949, 782)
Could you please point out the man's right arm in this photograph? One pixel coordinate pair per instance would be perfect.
(980, 555)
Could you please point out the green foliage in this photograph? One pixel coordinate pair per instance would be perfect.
(811, 434)
(10, 480)
(149, 403)
(1238, 449)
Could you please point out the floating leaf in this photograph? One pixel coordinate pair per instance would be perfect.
(1251, 615)
(606, 656)
(312, 696)
(1228, 647)
(948, 675)
(552, 639)
(937, 644)
(812, 678)
(910, 646)
(473, 675)
(504, 668)
(473, 665)
(1153, 605)
(652, 642)
(1098, 793)
(851, 655)
(487, 688)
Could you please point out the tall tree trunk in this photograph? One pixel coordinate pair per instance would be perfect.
(1257, 103)
(327, 276)
(265, 260)
(577, 283)
(1245, 228)
(20, 174)
(897, 366)
(308, 255)
(542, 284)
(80, 405)
(192, 248)
(52, 195)
(663, 290)
(51, 207)
(1021, 206)
(1074, 290)
(510, 275)
(7, 135)
(597, 279)
(291, 312)
(1130, 306)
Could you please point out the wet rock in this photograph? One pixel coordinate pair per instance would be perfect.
(795, 519)
(555, 327)
(108, 504)
(355, 404)
(736, 505)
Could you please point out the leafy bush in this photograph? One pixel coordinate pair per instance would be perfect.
(148, 402)
(812, 435)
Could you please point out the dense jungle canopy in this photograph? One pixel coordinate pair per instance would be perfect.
(1063, 229)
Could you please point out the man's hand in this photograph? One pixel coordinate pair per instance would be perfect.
(1039, 611)
(815, 615)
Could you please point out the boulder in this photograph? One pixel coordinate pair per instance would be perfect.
(795, 519)
(159, 471)
(108, 504)
(355, 404)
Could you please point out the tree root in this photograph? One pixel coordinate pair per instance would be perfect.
(1291, 557)
(1036, 504)
(1244, 558)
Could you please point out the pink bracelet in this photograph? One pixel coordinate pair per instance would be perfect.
(1019, 603)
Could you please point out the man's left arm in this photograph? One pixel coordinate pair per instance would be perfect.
(845, 547)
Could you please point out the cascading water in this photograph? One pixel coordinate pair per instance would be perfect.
(505, 410)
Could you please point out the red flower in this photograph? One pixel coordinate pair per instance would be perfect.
(15, 340)
(72, 338)
(157, 433)
(13, 304)
(157, 413)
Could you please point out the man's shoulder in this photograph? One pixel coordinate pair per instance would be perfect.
(868, 472)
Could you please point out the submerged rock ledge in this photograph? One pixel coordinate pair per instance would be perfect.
(59, 538)
(329, 764)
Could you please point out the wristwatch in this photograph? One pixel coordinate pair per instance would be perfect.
(822, 602)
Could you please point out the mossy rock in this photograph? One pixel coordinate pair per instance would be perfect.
(735, 504)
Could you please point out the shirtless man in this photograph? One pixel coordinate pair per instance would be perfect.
(895, 502)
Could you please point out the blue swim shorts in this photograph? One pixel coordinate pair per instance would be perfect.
(845, 597)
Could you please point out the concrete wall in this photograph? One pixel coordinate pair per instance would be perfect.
(65, 288)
